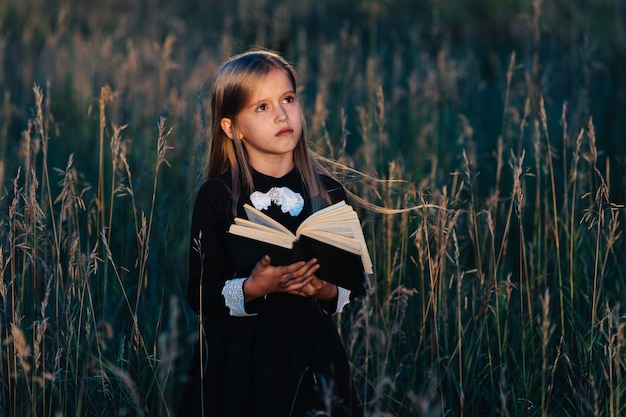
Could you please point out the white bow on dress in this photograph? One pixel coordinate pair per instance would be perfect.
(288, 200)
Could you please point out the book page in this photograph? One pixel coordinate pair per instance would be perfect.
(345, 224)
(337, 212)
(258, 217)
(342, 228)
(341, 242)
(330, 218)
(332, 208)
(263, 234)
(252, 225)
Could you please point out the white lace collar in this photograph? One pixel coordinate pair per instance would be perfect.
(288, 200)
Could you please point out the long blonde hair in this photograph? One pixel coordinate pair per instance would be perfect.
(233, 85)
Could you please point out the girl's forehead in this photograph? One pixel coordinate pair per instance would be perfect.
(275, 81)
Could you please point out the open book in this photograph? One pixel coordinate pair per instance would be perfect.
(333, 235)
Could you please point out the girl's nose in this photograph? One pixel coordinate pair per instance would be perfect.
(281, 114)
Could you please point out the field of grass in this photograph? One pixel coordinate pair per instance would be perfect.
(493, 130)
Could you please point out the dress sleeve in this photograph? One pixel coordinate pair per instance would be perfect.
(235, 298)
(209, 263)
(343, 298)
(337, 304)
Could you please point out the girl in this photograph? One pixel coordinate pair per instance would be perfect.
(268, 344)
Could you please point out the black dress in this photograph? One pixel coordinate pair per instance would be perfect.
(287, 359)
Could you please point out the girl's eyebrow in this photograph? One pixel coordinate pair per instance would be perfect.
(262, 100)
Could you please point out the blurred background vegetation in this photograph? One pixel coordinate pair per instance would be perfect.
(157, 54)
(509, 114)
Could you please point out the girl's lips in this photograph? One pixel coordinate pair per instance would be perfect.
(284, 132)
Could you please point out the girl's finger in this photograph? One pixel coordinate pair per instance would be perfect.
(296, 285)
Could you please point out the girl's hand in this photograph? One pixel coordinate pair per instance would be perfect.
(266, 278)
(320, 289)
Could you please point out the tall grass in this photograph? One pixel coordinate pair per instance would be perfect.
(499, 256)
(73, 342)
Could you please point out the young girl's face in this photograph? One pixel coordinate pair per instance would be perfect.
(270, 125)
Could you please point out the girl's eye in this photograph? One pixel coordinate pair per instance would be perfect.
(289, 99)
(262, 107)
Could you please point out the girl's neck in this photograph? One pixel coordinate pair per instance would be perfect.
(276, 168)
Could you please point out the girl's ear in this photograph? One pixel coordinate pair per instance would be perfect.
(227, 126)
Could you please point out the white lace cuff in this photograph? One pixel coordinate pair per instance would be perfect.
(234, 297)
(343, 298)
